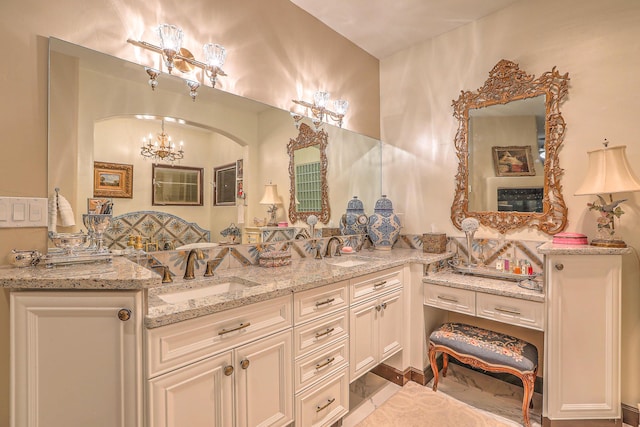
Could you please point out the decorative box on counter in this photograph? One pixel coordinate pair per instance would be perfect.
(275, 258)
(434, 243)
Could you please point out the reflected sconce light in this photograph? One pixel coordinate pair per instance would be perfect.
(319, 111)
(162, 148)
(271, 199)
(608, 172)
(175, 56)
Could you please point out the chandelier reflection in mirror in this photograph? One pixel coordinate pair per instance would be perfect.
(163, 149)
(319, 111)
(174, 56)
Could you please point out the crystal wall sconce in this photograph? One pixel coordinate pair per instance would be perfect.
(320, 112)
(174, 56)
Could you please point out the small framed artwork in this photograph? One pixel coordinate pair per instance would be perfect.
(96, 205)
(176, 185)
(224, 188)
(514, 160)
(112, 180)
(239, 169)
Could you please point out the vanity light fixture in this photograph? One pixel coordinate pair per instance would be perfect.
(162, 149)
(319, 110)
(177, 57)
(193, 89)
(608, 172)
(271, 199)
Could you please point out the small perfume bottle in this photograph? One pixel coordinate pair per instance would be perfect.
(505, 264)
(500, 264)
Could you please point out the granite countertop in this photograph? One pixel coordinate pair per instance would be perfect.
(261, 284)
(120, 273)
(550, 248)
(505, 288)
(247, 284)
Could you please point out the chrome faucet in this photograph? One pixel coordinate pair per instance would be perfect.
(339, 245)
(191, 261)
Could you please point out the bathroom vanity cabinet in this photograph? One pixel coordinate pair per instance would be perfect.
(375, 320)
(232, 365)
(582, 344)
(77, 358)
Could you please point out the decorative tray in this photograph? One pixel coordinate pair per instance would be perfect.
(54, 258)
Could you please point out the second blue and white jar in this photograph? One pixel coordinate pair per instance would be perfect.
(384, 225)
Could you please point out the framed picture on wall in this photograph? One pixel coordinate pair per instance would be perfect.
(96, 205)
(239, 169)
(224, 185)
(514, 160)
(176, 185)
(112, 180)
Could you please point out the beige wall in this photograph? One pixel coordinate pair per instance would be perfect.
(276, 53)
(596, 42)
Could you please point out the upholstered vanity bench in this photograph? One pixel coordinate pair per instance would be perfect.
(488, 350)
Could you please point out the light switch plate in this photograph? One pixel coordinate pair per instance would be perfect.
(17, 212)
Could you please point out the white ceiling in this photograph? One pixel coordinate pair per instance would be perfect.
(383, 27)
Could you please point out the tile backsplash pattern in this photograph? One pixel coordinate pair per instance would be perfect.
(483, 252)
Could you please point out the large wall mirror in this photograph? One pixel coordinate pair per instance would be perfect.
(509, 134)
(308, 175)
(101, 106)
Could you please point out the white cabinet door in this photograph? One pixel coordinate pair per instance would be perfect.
(582, 342)
(264, 381)
(198, 395)
(76, 363)
(363, 339)
(390, 329)
(376, 332)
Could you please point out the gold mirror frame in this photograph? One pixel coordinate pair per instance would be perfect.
(508, 83)
(307, 137)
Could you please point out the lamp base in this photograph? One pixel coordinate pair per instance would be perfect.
(608, 243)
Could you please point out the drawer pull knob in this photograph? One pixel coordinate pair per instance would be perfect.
(242, 326)
(508, 311)
(326, 405)
(379, 284)
(327, 332)
(228, 370)
(325, 363)
(244, 363)
(384, 305)
(378, 307)
(124, 314)
(448, 299)
(327, 301)
(559, 266)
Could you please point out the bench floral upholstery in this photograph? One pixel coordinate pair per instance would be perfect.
(493, 348)
(488, 350)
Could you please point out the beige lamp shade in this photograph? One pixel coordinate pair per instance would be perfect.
(270, 196)
(609, 172)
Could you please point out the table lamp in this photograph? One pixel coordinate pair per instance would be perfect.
(272, 199)
(609, 172)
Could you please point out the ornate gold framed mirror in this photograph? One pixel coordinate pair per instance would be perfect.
(512, 113)
(309, 192)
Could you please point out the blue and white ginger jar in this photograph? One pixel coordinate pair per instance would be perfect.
(354, 220)
(384, 225)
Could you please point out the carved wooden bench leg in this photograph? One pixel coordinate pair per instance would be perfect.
(434, 366)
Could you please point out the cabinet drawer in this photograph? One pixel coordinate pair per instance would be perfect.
(529, 314)
(452, 299)
(314, 335)
(325, 404)
(375, 284)
(320, 364)
(185, 342)
(314, 303)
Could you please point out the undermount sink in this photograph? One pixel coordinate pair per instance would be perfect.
(349, 262)
(205, 291)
